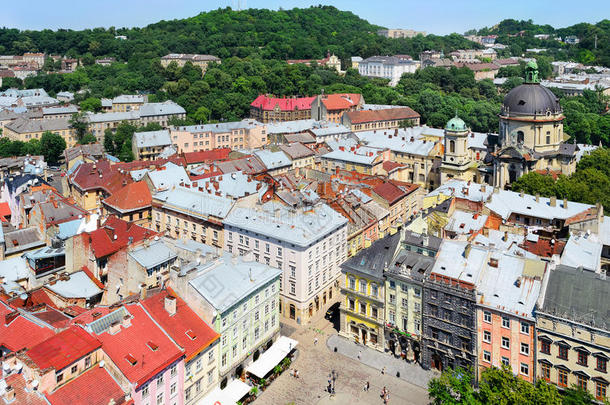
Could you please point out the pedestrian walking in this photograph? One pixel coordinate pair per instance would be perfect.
(368, 385)
(315, 341)
(359, 354)
(383, 371)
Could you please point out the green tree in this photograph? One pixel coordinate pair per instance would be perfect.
(79, 123)
(201, 115)
(52, 146)
(454, 386)
(88, 138)
(91, 104)
(109, 141)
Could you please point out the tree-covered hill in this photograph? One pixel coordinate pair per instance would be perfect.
(585, 52)
(284, 34)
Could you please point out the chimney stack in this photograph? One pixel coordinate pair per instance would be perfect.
(537, 197)
(565, 203)
(143, 291)
(170, 305)
(553, 201)
(9, 393)
(126, 321)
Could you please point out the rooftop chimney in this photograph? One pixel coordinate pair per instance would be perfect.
(565, 203)
(170, 305)
(143, 291)
(9, 393)
(537, 197)
(126, 321)
(553, 201)
(467, 250)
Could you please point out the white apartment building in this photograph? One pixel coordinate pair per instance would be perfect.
(307, 244)
(387, 67)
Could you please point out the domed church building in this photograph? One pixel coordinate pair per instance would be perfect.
(531, 133)
(459, 160)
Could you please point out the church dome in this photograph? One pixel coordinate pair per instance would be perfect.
(530, 98)
(456, 124)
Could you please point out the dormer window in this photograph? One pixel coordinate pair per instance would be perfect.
(154, 347)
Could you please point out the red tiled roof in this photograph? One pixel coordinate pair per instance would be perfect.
(17, 332)
(114, 235)
(23, 395)
(207, 156)
(145, 164)
(389, 165)
(38, 297)
(63, 349)
(286, 104)
(392, 191)
(51, 316)
(132, 343)
(99, 175)
(399, 113)
(341, 101)
(94, 387)
(546, 172)
(133, 196)
(181, 326)
(93, 314)
(389, 192)
(5, 210)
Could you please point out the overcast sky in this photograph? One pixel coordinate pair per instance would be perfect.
(434, 16)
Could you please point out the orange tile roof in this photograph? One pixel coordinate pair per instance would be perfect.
(24, 395)
(185, 326)
(285, 104)
(133, 196)
(63, 349)
(341, 101)
(17, 332)
(94, 387)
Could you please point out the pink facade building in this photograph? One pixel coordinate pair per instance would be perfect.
(244, 134)
(506, 295)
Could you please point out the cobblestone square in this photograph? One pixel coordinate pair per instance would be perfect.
(316, 361)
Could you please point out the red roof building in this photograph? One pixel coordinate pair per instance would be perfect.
(17, 332)
(207, 156)
(24, 395)
(114, 235)
(273, 109)
(331, 107)
(180, 322)
(133, 202)
(63, 349)
(141, 350)
(94, 387)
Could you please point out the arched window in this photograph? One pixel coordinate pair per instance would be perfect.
(452, 146)
(520, 136)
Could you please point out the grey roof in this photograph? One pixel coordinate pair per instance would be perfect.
(14, 269)
(22, 239)
(296, 150)
(409, 265)
(168, 175)
(236, 184)
(152, 138)
(152, 255)
(373, 260)
(221, 127)
(70, 109)
(301, 228)
(112, 116)
(530, 99)
(388, 60)
(94, 150)
(460, 261)
(583, 250)
(303, 137)
(128, 99)
(228, 282)
(578, 295)
(79, 285)
(273, 160)
(418, 239)
(24, 125)
(191, 57)
(23, 93)
(195, 203)
(248, 164)
(165, 108)
(102, 324)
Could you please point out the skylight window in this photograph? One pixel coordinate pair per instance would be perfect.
(132, 360)
(191, 334)
(154, 347)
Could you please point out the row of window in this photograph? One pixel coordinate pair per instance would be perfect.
(601, 389)
(524, 368)
(188, 393)
(362, 287)
(244, 307)
(405, 288)
(235, 351)
(363, 308)
(525, 327)
(582, 359)
(159, 382)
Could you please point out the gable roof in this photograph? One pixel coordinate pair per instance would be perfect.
(17, 332)
(341, 101)
(94, 387)
(140, 350)
(133, 196)
(392, 192)
(207, 156)
(114, 235)
(185, 327)
(63, 349)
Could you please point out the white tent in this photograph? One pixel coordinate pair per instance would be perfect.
(272, 357)
(233, 392)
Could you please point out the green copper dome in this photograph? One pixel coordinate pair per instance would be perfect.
(456, 124)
